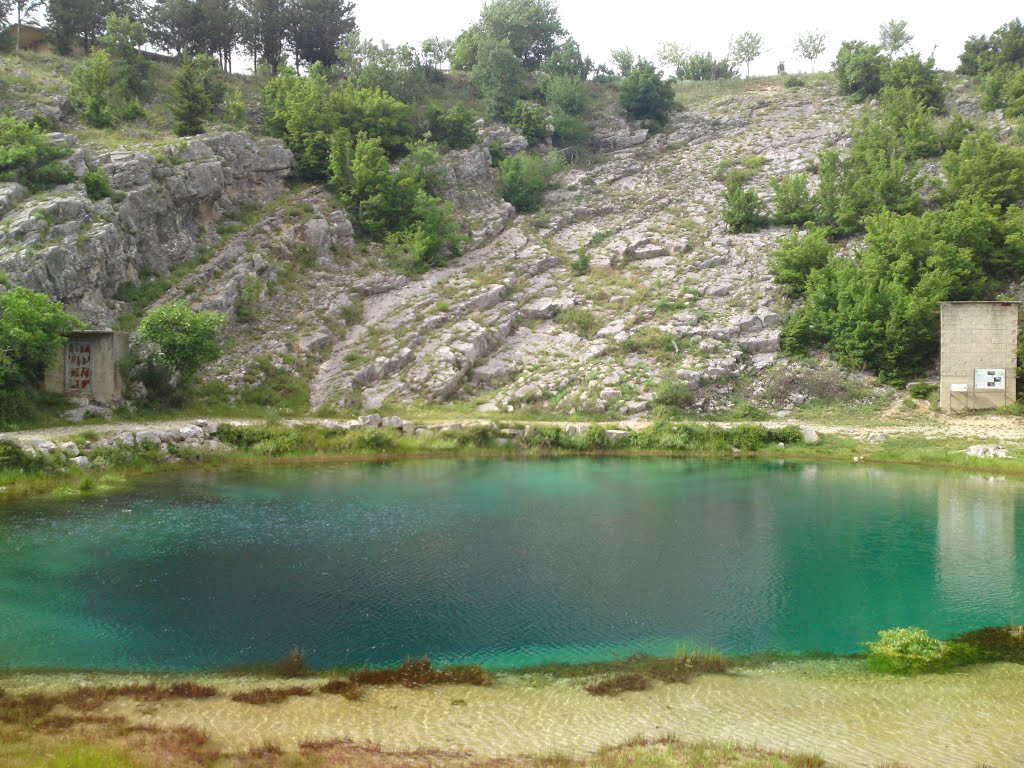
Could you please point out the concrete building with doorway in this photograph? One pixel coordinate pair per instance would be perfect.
(88, 366)
(978, 356)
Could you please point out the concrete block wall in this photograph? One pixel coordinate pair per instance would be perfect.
(977, 335)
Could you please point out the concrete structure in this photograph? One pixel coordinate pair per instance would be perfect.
(88, 366)
(978, 360)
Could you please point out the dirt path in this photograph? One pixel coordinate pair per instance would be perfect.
(990, 427)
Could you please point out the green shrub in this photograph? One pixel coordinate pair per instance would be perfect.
(918, 76)
(787, 435)
(569, 130)
(704, 66)
(97, 184)
(90, 89)
(985, 168)
(859, 68)
(234, 109)
(247, 303)
(744, 210)
(13, 456)
(498, 75)
(793, 203)
(269, 386)
(581, 264)
(523, 179)
(674, 394)
(910, 651)
(28, 157)
(529, 118)
(581, 321)
(921, 390)
(644, 95)
(748, 437)
(796, 257)
(497, 152)
(794, 82)
(453, 128)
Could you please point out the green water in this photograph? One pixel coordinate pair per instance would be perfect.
(502, 562)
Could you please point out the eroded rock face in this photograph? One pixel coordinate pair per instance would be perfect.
(80, 251)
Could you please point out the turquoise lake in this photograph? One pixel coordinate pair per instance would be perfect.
(504, 563)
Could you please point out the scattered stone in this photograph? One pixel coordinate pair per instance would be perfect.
(82, 462)
(987, 451)
(876, 437)
(809, 435)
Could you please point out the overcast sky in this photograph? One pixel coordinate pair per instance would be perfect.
(600, 26)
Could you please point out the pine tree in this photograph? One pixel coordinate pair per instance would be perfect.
(191, 103)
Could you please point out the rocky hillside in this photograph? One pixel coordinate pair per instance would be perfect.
(669, 297)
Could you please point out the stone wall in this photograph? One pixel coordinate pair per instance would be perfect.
(977, 335)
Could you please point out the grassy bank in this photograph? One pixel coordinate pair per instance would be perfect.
(112, 467)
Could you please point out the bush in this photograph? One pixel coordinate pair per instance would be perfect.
(797, 257)
(674, 394)
(566, 94)
(28, 157)
(570, 130)
(453, 128)
(744, 210)
(97, 184)
(921, 390)
(582, 322)
(794, 81)
(246, 305)
(90, 89)
(984, 168)
(907, 651)
(704, 66)
(523, 179)
(859, 68)
(13, 456)
(920, 77)
(529, 118)
(581, 264)
(644, 95)
(191, 102)
(793, 203)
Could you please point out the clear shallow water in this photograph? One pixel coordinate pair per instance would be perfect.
(503, 563)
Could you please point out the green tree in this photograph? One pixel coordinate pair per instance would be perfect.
(266, 29)
(465, 49)
(810, 45)
(624, 60)
(316, 28)
(28, 157)
(531, 27)
(745, 48)
(893, 36)
(23, 9)
(33, 329)
(645, 95)
(185, 340)
(80, 21)
(123, 39)
(566, 60)
(498, 76)
(90, 89)
(191, 105)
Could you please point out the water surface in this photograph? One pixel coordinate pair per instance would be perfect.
(505, 563)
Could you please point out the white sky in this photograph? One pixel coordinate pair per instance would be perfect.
(600, 26)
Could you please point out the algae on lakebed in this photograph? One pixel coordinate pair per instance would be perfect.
(832, 708)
